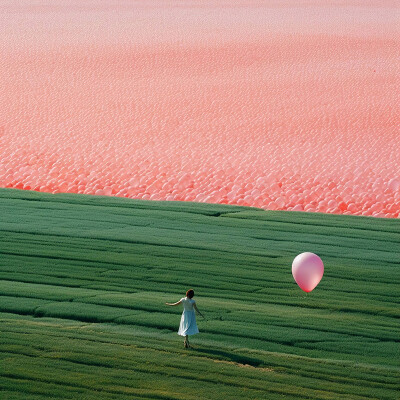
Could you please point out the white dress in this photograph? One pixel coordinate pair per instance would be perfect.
(188, 324)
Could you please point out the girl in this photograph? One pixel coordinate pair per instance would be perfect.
(188, 324)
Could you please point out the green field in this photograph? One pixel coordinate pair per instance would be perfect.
(84, 279)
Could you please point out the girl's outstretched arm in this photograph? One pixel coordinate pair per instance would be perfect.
(174, 304)
(195, 307)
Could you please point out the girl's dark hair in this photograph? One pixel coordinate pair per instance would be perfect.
(190, 293)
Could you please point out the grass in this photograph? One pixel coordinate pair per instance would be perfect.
(84, 279)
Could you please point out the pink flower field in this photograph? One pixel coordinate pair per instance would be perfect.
(283, 105)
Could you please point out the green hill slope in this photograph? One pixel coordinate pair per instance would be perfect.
(84, 279)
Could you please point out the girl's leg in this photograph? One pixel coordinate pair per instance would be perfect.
(186, 343)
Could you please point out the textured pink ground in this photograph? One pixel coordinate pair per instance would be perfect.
(283, 104)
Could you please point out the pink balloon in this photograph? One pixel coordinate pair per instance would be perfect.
(307, 270)
(394, 184)
(298, 207)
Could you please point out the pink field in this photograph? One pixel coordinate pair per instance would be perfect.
(289, 104)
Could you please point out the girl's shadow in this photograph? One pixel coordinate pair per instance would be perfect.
(232, 357)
